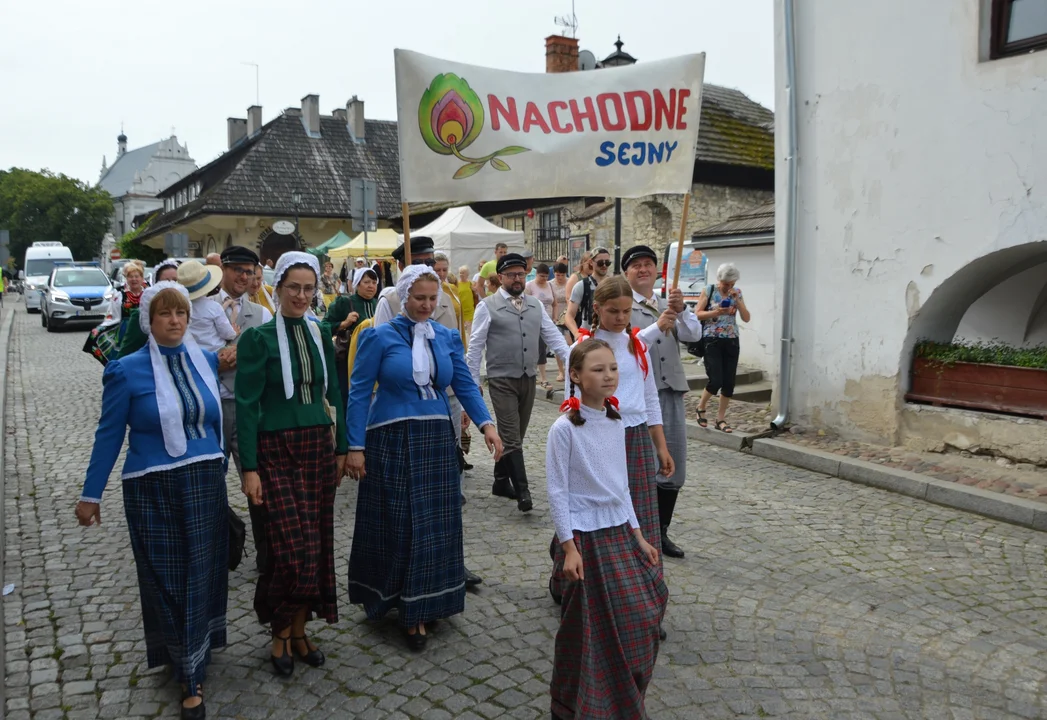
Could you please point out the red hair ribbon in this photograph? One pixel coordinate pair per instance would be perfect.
(641, 351)
(571, 403)
(613, 401)
(583, 334)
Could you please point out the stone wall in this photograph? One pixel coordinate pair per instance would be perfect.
(653, 220)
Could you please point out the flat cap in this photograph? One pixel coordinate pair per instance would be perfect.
(636, 252)
(420, 244)
(510, 260)
(238, 254)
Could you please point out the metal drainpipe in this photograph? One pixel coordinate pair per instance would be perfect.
(789, 241)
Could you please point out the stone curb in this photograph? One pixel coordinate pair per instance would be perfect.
(1017, 511)
(5, 335)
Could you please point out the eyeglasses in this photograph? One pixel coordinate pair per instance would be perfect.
(296, 289)
(241, 271)
(429, 262)
(515, 275)
(603, 263)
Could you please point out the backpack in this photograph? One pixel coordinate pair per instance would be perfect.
(585, 307)
(698, 348)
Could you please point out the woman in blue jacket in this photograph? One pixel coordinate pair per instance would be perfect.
(173, 487)
(407, 547)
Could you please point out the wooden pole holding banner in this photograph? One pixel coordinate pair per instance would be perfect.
(405, 210)
(679, 246)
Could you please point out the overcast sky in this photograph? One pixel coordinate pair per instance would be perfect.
(72, 71)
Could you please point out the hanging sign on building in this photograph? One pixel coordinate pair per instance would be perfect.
(471, 133)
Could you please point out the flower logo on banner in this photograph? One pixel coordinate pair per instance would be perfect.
(450, 117)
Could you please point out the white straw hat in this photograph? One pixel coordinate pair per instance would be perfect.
(199, 279)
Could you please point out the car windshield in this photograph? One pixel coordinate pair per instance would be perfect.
(693, 273)
(86, 277)
(41, 266)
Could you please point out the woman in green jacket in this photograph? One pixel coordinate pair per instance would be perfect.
(286, 396)
(345, 314)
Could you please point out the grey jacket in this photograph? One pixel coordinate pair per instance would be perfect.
(250, 316)
(665, 349)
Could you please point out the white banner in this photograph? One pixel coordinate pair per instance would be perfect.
(470, 133)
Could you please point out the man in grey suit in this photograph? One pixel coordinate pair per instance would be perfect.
(238, 266)
(640, 265)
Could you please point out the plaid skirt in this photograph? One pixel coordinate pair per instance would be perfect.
(407, 546)
(607, 642)
(298, 470)
(180, 539)
(643, 490)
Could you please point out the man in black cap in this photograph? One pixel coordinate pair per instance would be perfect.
(447, 314)
(238, 268)
(508, 325)
(664, 324)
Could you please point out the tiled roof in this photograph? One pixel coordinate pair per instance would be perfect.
(259, 176)
(118, 180)
(755, 221)
(735, 130)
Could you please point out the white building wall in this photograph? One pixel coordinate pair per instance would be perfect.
(915, 159)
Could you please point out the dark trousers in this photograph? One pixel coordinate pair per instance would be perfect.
(721, 365)
(257, 512)
(513, 400)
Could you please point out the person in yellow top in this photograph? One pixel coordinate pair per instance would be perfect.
(467, 298)
(260, 293)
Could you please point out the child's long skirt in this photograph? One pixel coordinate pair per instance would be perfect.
(607, 643)
(643, 489)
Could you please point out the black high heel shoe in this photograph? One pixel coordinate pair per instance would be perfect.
(193, 713)
(284, 665)
(315, 658)
(416, 641)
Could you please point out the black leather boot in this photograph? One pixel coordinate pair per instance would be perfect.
(503, 485)
(519, 475)
(666, 507)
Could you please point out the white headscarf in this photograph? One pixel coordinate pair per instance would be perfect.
(359, 273)
(171, 421)
(262, 290)
(168, 263)
(286, 261)
(420, 367)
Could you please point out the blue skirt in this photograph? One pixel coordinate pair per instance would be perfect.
(407, 546)
(180, 539)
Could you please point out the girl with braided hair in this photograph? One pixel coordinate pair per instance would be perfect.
(638, 404)
(614, 595)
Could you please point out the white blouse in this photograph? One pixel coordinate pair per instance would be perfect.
(587, 476)
(637, 395)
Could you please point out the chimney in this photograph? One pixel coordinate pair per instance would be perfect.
(561, 54)
(254, 119)
(236, 129)
(355, 109)
(341, 114)
(311, 114)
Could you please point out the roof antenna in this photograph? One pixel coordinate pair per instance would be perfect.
(257, 94)
(569, 22)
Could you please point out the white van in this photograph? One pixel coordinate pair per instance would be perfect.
(694, 273)
(40, 259)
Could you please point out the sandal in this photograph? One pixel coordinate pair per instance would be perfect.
(702, 420)
(722, 426)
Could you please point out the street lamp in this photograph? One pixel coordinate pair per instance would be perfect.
(296, 201)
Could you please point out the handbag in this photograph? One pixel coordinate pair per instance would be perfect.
(237, 538)
(698, 348)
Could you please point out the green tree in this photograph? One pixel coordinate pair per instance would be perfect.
(38, 206)
(131, 250)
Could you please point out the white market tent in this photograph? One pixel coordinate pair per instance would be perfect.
(467, 238)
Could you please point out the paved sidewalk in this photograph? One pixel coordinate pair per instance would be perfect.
(801, 597)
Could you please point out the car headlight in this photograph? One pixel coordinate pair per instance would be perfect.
(108, 294)
(60, 296)
(30, 286)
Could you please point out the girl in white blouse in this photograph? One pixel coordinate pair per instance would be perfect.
(614, 596)
(638, 404)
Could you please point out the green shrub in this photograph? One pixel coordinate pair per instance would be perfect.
(983, 354)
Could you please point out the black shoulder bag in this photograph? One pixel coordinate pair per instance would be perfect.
(698, 348)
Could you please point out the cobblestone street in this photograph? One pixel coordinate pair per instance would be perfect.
(801, 596)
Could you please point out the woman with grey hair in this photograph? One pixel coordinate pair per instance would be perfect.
(722, 304)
